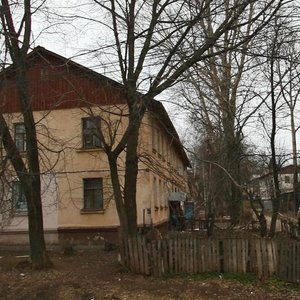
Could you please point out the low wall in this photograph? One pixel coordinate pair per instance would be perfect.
(20, 239)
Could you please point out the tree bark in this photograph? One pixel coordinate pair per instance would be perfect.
(295, 163)
(277, 193)
(126, 199)
(131, 173)
(118, 196)
(38, 253)
(263, 228)
(17, 43)
(32, 187)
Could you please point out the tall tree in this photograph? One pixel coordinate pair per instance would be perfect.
(149, 39)
(217, 97)
(273, 102)
(289, 80)
(17, 42)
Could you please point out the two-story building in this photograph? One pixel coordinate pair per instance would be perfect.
(70, 102)
(263, 187)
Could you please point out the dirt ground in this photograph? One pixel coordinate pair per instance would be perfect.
(98, 275)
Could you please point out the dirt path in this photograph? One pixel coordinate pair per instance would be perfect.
(97, 275)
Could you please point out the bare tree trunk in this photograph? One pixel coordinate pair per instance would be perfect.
(126, 198)
(263, 228)
(32, 187)
(235, 199)
(118, 196)
(38, 254)
(29, 172)
(131, 173)
(276, 198)
(295, 162)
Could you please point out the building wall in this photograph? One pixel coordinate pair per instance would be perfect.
(266, 185)
(61, 96)
(14, 224)
(167, 171)
(66, 163)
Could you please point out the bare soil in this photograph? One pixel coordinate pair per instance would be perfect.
(98, 275)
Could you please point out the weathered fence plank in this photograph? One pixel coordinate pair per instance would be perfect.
(171, 255)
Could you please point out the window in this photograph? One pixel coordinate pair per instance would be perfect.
(163, 153)
(20, 137)
(93, 195)
(160, 191)
(90, 133)
(165, 194)
(154, 192)
(153, 129)
(287, 179)
(44, 73)
(18, 197)
(158, 141)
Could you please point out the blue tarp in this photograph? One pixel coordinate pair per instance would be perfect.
(188, 210)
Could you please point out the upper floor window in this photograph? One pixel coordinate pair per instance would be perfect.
(155, 193)
(93, 193)
(154, 145)
(18, 197)
(287, 179)
(90, 132)
(20, 137)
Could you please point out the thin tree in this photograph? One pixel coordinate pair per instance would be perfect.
(17, 43)
(289, 80)
(273, 104)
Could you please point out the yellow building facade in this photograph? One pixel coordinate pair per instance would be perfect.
(78, 201)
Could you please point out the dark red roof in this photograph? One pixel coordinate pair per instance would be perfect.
(56, 82)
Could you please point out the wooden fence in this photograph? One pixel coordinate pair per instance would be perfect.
(192, 254)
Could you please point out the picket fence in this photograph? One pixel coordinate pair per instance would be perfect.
(192, 254)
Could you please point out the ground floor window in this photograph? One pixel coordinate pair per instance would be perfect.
(20, 137)
(93, 193)
(18, 196)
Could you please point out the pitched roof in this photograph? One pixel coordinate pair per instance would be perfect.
(41, 52)
(286, 170)
(155, 107)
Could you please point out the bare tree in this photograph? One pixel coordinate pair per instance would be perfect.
(289, 80)
(273, 101)
(17, 43)
(220, 97)
(148, 40)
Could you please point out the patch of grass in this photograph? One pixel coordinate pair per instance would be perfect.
(275, 282)
(248, 278)
(242, 278)
(239, 277)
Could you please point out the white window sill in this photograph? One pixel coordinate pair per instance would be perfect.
(91, 211)
(20, 213)
(80, 150)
